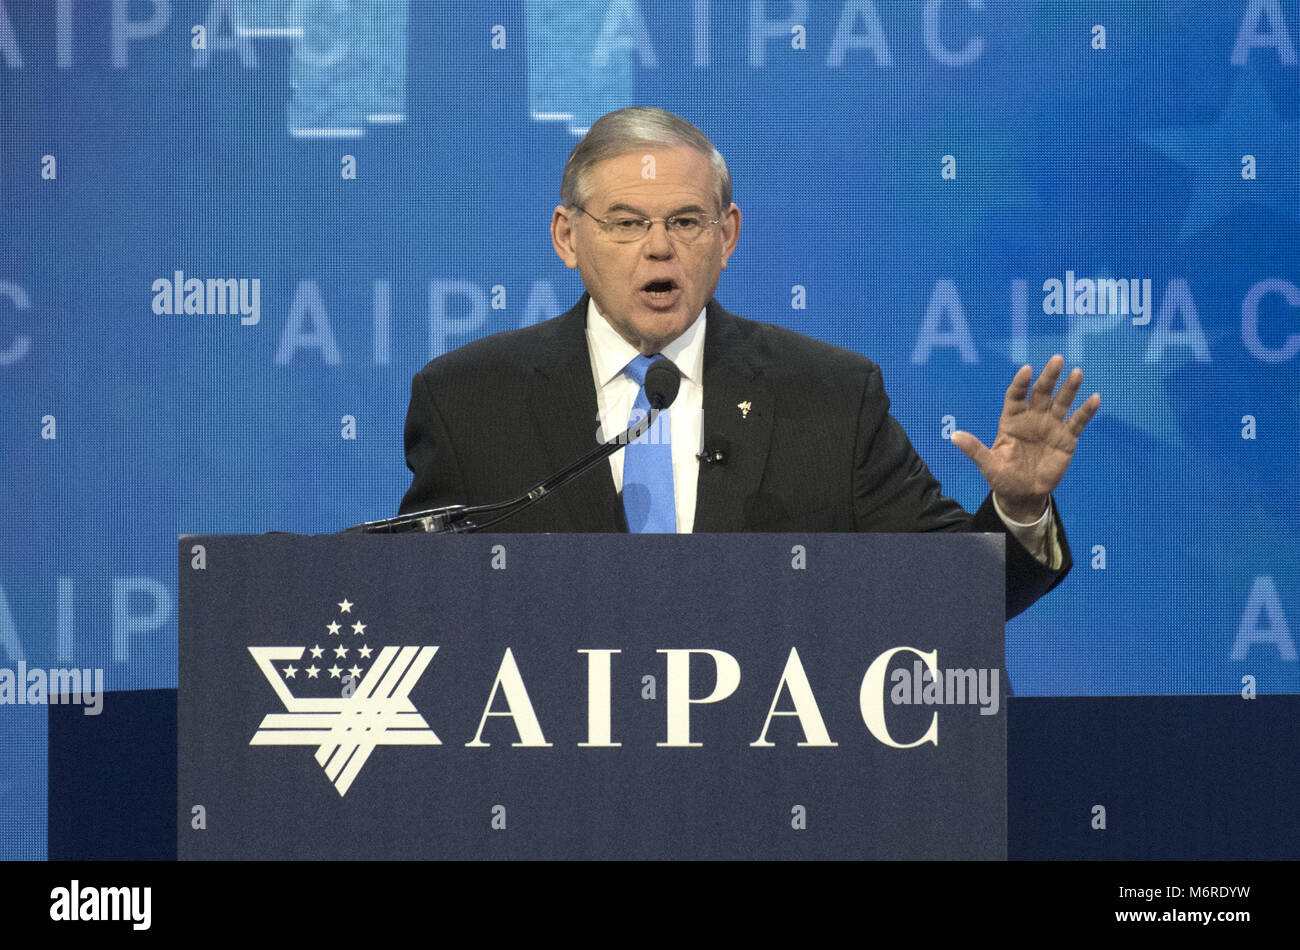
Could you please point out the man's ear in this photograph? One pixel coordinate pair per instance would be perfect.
(730, 225)
(562, 236)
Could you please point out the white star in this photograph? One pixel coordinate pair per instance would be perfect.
(333, 628)
(346, 606)
(358, 627)
(312, 671)
(290, 671)
(316, 651)
(334, 671)
(355, 671)
(365, 653)
(340, 651)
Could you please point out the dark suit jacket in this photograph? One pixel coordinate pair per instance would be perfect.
(819, 450)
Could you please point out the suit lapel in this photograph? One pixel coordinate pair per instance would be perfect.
(738, 411)
(564, 415)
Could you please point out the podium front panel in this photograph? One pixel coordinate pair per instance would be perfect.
(592, 696)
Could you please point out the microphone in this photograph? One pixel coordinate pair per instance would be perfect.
(716, 450)
(662, 382)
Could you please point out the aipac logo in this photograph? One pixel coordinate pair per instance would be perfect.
(345, 713)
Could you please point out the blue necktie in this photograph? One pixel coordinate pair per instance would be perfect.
(648, 499)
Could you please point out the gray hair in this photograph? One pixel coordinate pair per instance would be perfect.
(627, 130)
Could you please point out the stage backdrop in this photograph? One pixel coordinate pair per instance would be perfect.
(938, 185)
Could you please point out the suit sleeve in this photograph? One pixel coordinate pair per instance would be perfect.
(436, 477)
(893, 490)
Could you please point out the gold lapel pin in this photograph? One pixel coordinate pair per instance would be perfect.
(744, 408)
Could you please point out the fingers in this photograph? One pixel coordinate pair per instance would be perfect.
(975, 450)
(1060, 404)
(1040, 397)
(1021, 397)
(1083, 415)
(1061, 401)
(1018, 390)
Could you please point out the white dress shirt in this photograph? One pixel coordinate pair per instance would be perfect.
(616, 393)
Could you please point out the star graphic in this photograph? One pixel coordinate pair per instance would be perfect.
(333, 628)
(365, 653)
(312, 671)
(316, 651)
(346, 606)
(358, 627)
(355, 671)
(334, 671)
(1248, 125)
(340, 651)
(290, 671)
(1114, 364)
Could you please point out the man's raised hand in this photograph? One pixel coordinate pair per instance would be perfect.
(1035, 441)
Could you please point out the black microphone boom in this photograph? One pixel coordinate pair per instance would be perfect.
(662, 382)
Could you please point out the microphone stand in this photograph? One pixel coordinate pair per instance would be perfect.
(456, 518)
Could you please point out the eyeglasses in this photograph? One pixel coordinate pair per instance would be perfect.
(623, 228)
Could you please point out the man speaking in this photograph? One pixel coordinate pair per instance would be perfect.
(770, 431)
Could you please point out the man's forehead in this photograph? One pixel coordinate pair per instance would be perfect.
(679, 176)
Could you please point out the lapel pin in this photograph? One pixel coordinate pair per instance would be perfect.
(744, 408)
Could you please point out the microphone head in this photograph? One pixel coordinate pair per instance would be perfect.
(662, 380)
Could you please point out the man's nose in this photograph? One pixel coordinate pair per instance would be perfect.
(657, 243)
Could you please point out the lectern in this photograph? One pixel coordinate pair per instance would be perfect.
(486, 696)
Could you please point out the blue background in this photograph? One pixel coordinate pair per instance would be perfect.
(1120, 162)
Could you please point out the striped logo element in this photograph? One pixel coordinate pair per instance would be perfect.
(347, 729)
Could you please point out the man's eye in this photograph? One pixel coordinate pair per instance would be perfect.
(628, 224)
(685, 222)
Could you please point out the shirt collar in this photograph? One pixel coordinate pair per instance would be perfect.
(610, 353)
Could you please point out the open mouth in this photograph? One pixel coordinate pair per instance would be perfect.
(660, 291)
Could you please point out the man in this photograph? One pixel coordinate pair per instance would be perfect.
(798, 432)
